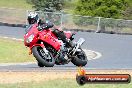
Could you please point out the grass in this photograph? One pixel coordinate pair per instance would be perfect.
(17, 15)
(19, 4)
(62, 83)
(13, 51)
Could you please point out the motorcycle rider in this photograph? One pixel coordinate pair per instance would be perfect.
(34, 18)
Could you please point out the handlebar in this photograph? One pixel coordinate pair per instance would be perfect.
(45, 26)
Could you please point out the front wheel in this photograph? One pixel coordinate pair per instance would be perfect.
(80, 58)
(40, 64)
(46, 60)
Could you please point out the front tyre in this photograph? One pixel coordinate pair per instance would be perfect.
(80, 58)
(46, 60)
(40, 64)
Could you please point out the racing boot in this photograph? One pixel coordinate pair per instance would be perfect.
(70, 43)
(62, 36)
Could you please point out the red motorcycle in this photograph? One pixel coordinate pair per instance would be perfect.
(49, 50)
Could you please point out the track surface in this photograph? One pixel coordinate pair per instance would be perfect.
(116, 50)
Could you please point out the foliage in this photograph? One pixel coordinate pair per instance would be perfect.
(69, 6)
(47, 5)
(101, 8)
(127, 14)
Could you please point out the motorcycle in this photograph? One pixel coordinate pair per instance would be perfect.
(50, 50)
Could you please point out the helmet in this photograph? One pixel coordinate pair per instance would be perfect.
(33, 18)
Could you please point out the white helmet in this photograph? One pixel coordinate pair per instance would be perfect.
(33, 18)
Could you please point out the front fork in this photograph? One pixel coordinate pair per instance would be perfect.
(42, 45)
(79, 43)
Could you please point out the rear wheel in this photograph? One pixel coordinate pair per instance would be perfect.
(46, 60)
(80, 58)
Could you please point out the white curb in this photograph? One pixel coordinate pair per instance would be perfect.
(12, 38)
(91, 55)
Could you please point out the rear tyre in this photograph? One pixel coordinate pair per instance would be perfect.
(46, 60)
(80, 59)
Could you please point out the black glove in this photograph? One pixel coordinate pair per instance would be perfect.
(50, 25)
(41, 27)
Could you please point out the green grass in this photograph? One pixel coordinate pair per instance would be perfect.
(18, 4)
(63, 83)
(13, 51)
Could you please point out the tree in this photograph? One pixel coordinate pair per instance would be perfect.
(127, 14)
(47, 5)
(102, 8)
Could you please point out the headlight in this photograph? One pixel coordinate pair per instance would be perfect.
(30, 38)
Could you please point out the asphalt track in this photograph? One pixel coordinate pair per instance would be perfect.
(116, 50)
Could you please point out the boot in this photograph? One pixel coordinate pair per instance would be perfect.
(70, 43)
(62, 36)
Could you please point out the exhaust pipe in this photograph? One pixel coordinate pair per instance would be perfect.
(79, 43)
